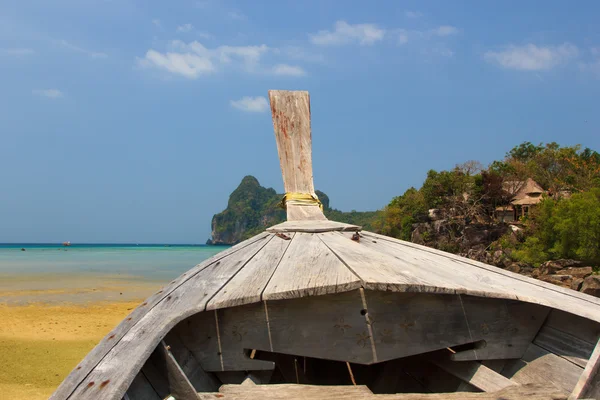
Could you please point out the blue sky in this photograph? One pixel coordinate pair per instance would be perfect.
(132, 121)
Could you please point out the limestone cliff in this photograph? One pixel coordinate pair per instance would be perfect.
(252, 208)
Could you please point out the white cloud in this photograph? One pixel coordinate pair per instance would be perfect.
(413, 14)
(344, 33)
(236, 16)
(194, 59)
(50, 93)
(92, 54)
(530, 57)
(189, 65)
(288, 70)
(445, 30)
(402, 37)
(17, 52)
(185, 28)
(251, 104)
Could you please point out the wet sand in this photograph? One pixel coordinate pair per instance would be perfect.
(49, 323)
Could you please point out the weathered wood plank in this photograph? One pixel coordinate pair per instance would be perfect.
(95, 356)
(307, 392)
(476, 374)
(141, 389)
(506, 326)
(201, 380)
(581, 328)
(565, 345)
(513, 285)
(588, 385)
(380, 271)
(247, 286)
(313, 226)
(590, 311)
(309, 268)
(543, 367)
(329, 327)
(123, 360)
(405, 324)
(180, 386)
(291, 121)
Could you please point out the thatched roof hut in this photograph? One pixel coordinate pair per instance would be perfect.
(318, 302)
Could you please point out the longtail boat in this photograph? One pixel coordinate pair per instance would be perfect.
(318, 309)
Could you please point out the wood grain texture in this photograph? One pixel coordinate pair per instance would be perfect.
(581, 328)
(307, 392)
(291, 121)
(313, 226)
(539, 366)
(330, 327)
(247, 286)
(180, 386)
(380, 271)
(95, 356)
(476, 374)
(501, 283)
(506, 326)
(564, 345)
(124, 359)
(201, 380)
(309, 268)
(141, 389)
(405, 324)
(588, 385)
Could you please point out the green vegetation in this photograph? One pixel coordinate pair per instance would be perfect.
(565, 228)
(566, 224)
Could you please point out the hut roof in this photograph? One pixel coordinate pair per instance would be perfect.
(305, 256)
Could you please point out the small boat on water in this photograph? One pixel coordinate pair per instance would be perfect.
(68, 243)
(317, 309)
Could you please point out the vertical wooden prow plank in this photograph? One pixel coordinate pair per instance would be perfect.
(291, 122)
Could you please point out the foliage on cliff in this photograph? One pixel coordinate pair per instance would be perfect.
(464, 200)
(252, 208)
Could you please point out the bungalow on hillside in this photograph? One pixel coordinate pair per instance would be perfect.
(526, 194)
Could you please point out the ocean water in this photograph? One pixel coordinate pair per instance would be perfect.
(149, 262)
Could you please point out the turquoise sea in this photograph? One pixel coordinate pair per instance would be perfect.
(146, 261)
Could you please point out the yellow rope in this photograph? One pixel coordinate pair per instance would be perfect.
(301, 199)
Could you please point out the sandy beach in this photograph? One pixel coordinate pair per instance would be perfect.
(50, 323)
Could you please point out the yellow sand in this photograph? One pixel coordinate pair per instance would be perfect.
(40, 344)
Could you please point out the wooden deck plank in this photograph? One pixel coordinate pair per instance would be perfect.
(180, 386)
(109, 341)
(543, 367)
(309, 268)
(581, 328)
(524, 288)
(247, 286)
(496, 270)
(141, 389)
(307, 392)
(380, 271)
(476, 374)
(123, 360)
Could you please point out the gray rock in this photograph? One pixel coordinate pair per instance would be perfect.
(552, 267)
(591, 285)
(576, 283)
(578, 272)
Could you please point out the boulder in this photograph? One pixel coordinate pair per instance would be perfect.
(576, 272)
(552, 267)
(576, 283)
(560, 280)
(591, 285)
(514, 267)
